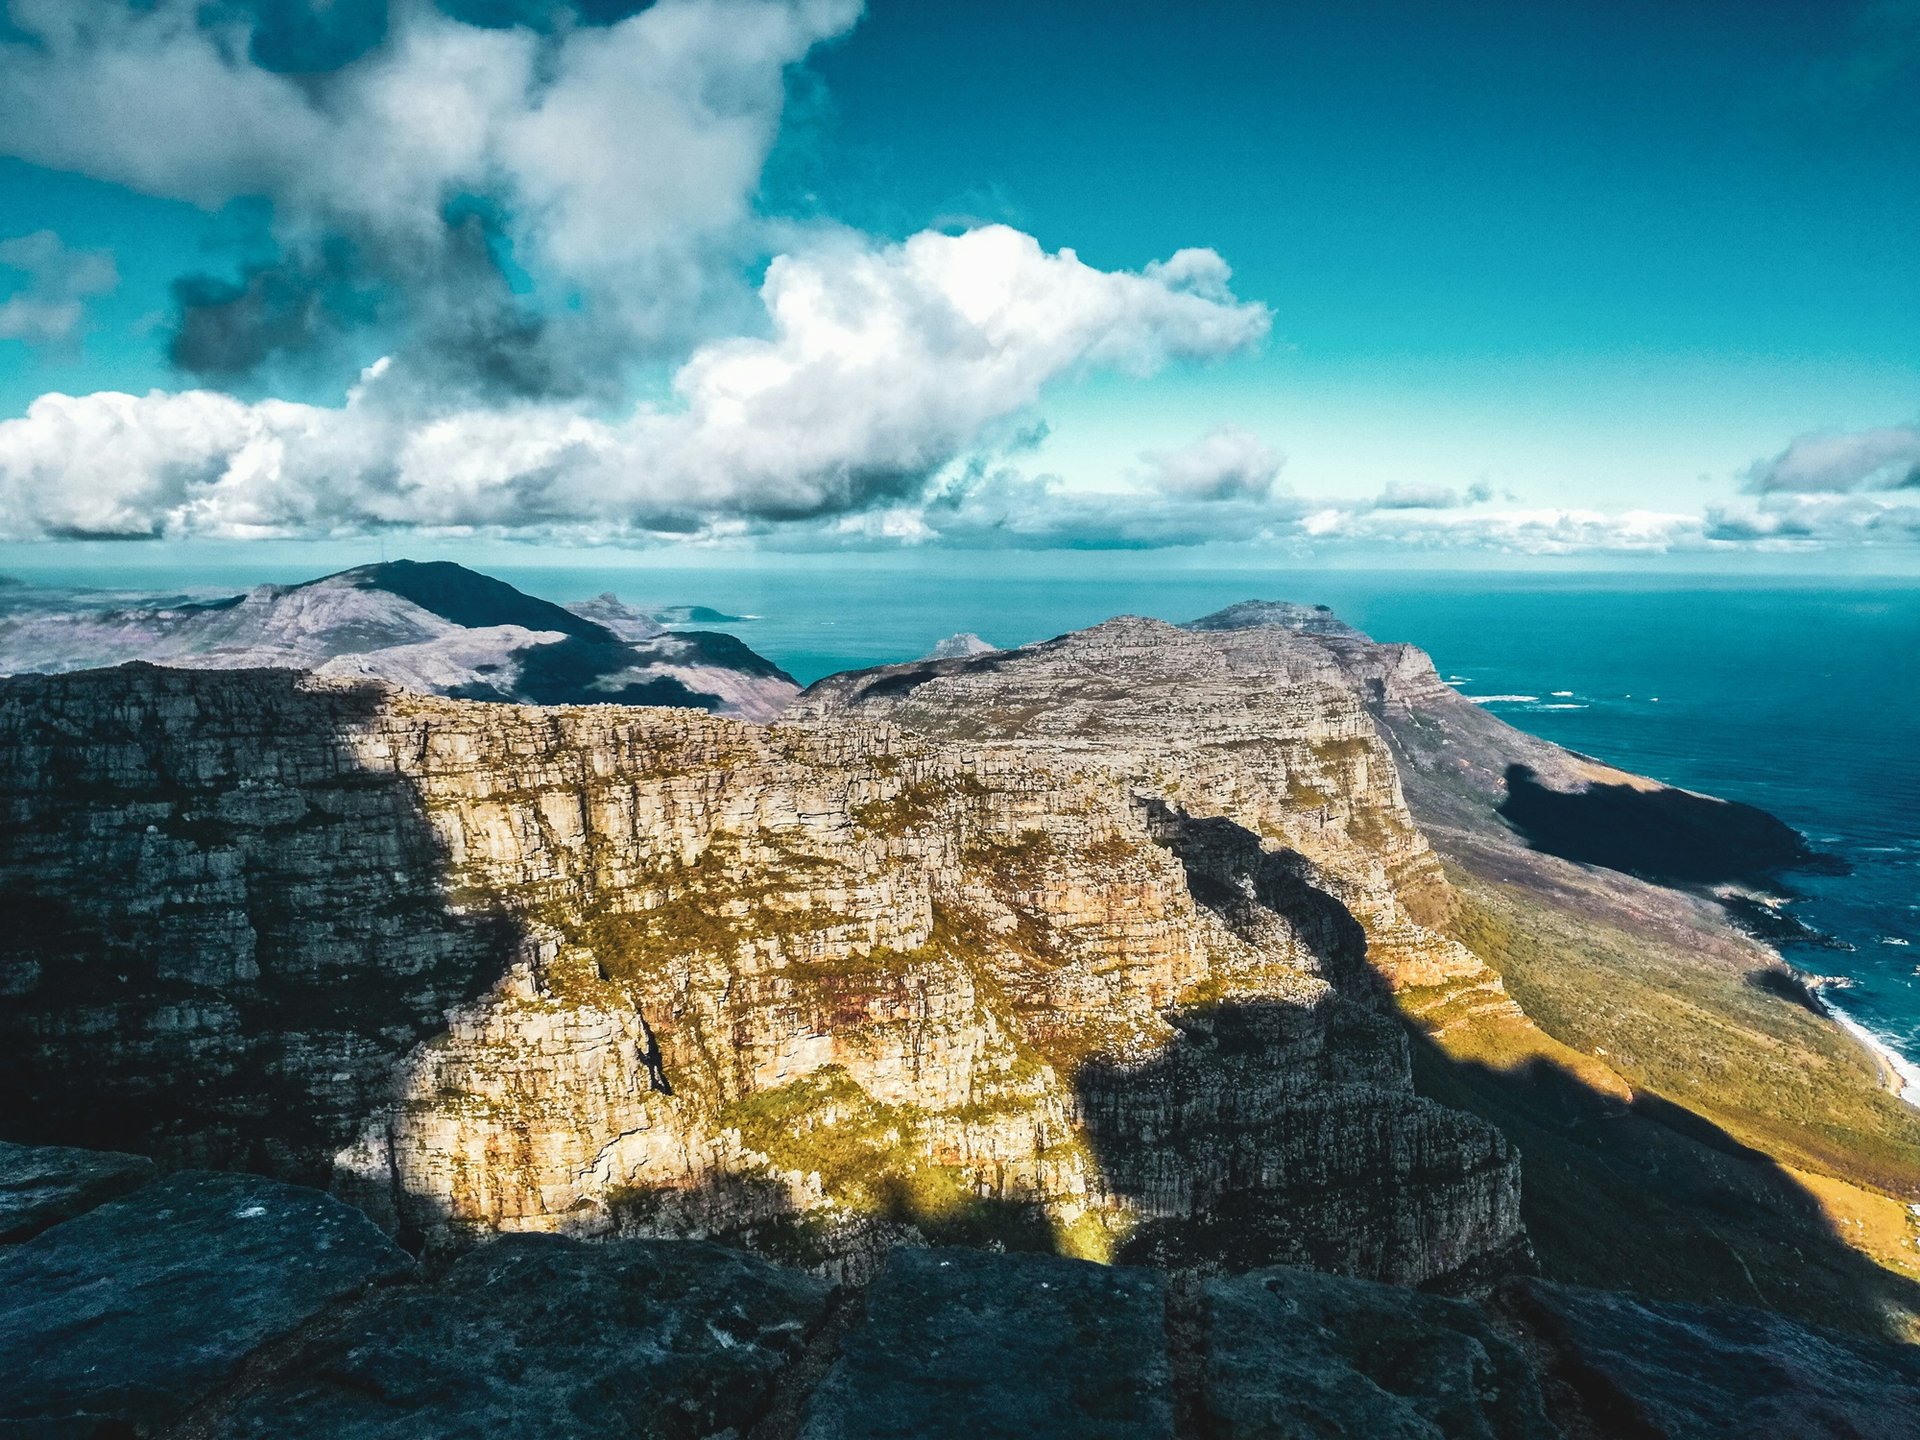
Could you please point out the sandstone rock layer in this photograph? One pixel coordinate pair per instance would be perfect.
(811, 986)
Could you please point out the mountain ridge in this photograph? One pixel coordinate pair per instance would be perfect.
(1200, 948)
(431, 626)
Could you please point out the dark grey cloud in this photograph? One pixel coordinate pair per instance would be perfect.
(1806, 521)
(303, 37)
(1886, 458)
(463, 336)
(998, 507)
(516, 198)
(226, 330)
(1398, 496)
(316, 37)
(1737, 528)
(541, 15)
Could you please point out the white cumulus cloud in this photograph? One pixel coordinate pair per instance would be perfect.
(881, 365)
(1401, 496)
(617, 163)
(49, 303)
(1227, 463)
(1518, 531)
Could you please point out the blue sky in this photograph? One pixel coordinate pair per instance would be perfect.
(1620, 279)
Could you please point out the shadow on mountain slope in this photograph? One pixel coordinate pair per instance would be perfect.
(1785, 985)
(304, 942)
(467, 597)
(1274, 1133)
(1662, 834)
(755, 1213)
(1651, 1197)
(223, 927)
(1647, 1194)
(1270, 1131)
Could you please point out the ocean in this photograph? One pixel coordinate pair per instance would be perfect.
(1801, 698)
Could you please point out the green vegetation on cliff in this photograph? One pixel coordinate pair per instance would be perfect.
(1684, 1131)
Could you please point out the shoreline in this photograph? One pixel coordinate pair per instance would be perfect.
(1903, 1075)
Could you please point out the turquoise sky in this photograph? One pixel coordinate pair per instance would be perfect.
(1595, 250)
(1595, 255)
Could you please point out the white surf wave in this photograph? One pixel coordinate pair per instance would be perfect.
(1904, 1069)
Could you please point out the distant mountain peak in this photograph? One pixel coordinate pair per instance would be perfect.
(465, 597)
(960, 646)
(1277, 615)
(431, 626)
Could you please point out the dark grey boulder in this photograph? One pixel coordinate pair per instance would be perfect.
(1292, 1353)
(1696, 1372)
(536, 1336)
(41, 1185)
(1001, 1347)
(122, 1318)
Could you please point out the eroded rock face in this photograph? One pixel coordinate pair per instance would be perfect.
(539, 1336)
(41, 1185)
(1289, 1353)
(139, 1309)
(813, 986)
(229, 1306)
(225, 928)
(1697, 1372)
(960, 1344)
(1258, 719)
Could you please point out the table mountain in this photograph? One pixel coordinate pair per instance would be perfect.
(1209, 947)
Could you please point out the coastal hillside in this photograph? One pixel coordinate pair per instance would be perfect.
(1202, 949)
(432, 627)
(1688, 1118)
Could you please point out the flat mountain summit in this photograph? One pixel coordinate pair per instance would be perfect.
(433, 627)
(1284, 614)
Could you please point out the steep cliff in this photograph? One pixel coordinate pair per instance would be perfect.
(1686, 1128)
(1101, 945)
(1258, 726)
(601, 969)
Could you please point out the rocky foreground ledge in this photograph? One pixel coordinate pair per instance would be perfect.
(221, 1305)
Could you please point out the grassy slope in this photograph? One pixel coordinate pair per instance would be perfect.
(1683, 1131)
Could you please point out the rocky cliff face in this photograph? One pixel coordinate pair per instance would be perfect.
(1260, 724)
(592, 970)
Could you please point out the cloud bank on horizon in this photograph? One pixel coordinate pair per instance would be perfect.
(536, 212)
